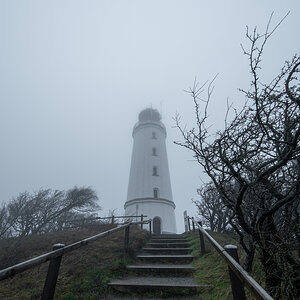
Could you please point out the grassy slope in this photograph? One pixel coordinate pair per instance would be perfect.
(84, 272)
(212, 269)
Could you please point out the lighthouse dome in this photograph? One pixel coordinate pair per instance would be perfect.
(149, 114)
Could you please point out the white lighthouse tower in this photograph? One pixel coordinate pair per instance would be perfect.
(149, 188)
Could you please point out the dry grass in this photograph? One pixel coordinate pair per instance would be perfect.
(83, 273)
(212, 269)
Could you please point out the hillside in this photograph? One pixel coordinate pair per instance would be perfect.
(83, 273)
(212, 269)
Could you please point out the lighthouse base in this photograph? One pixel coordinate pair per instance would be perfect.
(160, 211)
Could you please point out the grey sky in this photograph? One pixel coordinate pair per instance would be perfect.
(75, 74)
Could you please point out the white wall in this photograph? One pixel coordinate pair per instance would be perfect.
(141, 181)
(154, 208)
(140, 196)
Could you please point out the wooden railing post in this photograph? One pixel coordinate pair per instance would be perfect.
(193, 223)
(150, 227)
(185, 221)
(189, 224)
(142, 218)
(202, 244)
(126, 239)
(237, 286)
(112, 219)
(51, 279)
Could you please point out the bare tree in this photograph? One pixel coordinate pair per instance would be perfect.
(259, 154)
(211, 209)
(48, 210)
(5, 222)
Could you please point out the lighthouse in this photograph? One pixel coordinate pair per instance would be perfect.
(149, 187)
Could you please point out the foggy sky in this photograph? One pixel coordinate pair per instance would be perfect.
(75, 74)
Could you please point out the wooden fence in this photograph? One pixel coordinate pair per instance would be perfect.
(109, 220)
(238, 276)
(58, 251)
(113, 218)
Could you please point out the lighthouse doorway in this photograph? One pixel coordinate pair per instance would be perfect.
(156, 225)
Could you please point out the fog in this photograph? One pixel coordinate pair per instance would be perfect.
(75, 74)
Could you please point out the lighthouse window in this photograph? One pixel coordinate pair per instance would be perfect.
(153, 135)
(154, 171)
(154, 152)
(155, 193)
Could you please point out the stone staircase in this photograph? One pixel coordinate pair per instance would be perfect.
(163, 269)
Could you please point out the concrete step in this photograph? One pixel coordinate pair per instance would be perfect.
(162, 271)
(167, 250)
(158, 282)
(166, 245)
(147, 298)
(172, 258)
(167, 240)
(162, 268)
(161, 236)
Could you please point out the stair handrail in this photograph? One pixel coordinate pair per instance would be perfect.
(112, 218)
(254, 287)
(58, 251)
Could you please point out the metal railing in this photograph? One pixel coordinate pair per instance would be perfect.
(58, 251)
(238, 276)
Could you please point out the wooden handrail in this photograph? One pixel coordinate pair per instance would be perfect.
(112, 218)
(21, 267)
(105, 218)
(251, 284)
(116, 217)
